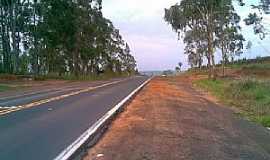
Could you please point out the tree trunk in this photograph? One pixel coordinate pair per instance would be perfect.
(76, 63)
(14, 35)
(5, 40)
(210, 38)
(223, 58)
(209, 65)
(214, 74)
(211, 55)
(35, 56)
(200, 61)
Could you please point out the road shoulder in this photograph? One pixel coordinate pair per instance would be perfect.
(170, 120)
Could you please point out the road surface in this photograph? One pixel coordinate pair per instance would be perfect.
(43, 130)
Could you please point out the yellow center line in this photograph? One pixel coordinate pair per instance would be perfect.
(38, 103)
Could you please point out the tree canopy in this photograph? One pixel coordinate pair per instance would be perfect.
(256, 18)
(210, 25)
(63, 37)
(202, 23)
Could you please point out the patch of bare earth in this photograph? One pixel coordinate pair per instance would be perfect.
(169, 120)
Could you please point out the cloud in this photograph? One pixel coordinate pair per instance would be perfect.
(152, 41)
(141, 23)
(135, 9)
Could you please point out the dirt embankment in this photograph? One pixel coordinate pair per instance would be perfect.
(169, 120)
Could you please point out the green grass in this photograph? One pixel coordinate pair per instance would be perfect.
(55, 76)
(104, 76)
(251, 66)
(4, 88)
(250, 96)
(215, 87)
(264, 120)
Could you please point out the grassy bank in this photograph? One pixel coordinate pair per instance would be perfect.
(250, 96)
(4, 88)
(14, 82)
(81, 77)
(52, 76)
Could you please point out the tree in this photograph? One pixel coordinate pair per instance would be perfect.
(60, 37)
(200, 21)
(228, 36)
(177, 69)
(180, 64)
(196, 47)
(256, 20)
(197, 15)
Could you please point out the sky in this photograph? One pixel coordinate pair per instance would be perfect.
(153, 43)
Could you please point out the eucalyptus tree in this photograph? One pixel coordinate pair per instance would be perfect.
(228, 36)
(202, 17)
(16, 18)
(189, 14)
(196, 41)
(59, 37)
(256, 19)
(5, 9)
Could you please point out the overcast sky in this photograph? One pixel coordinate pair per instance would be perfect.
(153, 43)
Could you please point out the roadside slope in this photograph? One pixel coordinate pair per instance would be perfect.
(170, 120)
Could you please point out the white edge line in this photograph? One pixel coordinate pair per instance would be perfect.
(71, 149)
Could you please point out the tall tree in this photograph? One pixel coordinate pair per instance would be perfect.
(59, 37)
(196, 17)
(228, 36)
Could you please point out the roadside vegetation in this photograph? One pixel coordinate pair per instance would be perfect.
(7, 86)
(4, 87)
(63, 39)
(208, 26)
(212, 26)
(246, 87)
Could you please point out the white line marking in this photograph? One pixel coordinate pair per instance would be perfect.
(30, 105)
(71, 149)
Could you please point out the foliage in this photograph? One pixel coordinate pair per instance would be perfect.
(177, 69)
(4, 88)
(255, 19)
(250, 96)
(64, 37)
(205, 26)
(216, 87)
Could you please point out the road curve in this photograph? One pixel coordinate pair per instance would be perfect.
(43, 131)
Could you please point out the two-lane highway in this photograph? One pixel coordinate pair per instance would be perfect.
(42, 131)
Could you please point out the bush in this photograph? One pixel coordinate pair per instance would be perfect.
(4, 88)
(264, 120)
(251, 96)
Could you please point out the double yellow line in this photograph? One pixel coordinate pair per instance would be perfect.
(7, 110)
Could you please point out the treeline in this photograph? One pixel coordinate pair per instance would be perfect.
(210, 25)
(63, 37)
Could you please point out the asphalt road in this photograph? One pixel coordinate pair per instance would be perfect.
(43, 131)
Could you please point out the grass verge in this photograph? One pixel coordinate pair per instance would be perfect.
(81, 77)
(4, 88)
(250, 96)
